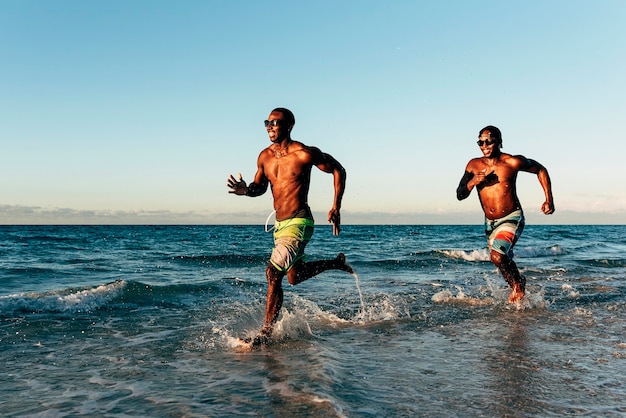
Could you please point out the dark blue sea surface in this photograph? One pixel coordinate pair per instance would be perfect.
(129, 321)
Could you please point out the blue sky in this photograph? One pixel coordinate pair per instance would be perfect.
(137, 111)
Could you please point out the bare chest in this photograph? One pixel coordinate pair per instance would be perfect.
(285, 168)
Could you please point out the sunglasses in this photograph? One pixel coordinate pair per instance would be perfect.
(275, 122)
(488, 142)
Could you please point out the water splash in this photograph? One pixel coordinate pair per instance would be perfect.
(361, 315)
(446, 296)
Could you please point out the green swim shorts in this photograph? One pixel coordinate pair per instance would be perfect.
(290, 238)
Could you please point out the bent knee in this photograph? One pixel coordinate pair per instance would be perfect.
(292, 277)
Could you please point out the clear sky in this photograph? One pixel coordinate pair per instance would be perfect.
(137, 111)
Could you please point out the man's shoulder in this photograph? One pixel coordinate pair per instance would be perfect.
(307, 152)
(297, 146)
(513, 160)
(474, 162)
(266, 152)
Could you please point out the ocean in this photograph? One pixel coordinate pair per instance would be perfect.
(140, 321)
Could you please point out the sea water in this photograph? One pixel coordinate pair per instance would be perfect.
(128, 321)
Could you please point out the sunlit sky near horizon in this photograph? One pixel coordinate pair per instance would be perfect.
(136, 112)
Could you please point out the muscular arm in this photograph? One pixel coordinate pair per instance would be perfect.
(328, 164)
(260, 182)
(473, 177)
(464, 190)
(532, 166)
(254, 189)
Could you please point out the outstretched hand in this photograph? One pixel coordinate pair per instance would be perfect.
(335, 218)
(239, 187)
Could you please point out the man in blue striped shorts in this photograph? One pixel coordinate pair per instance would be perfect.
(494, 176)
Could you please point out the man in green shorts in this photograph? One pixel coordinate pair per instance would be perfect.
(286, 165)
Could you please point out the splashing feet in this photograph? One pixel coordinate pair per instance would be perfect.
(249, 344)
(517, 293)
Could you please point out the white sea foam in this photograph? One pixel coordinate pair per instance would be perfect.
(520, 252)
(305, 308)
(587, 313)
(292, 325)
(298, 319)
(571, 292)
(446, 296)
(474, 255)
(533, 299)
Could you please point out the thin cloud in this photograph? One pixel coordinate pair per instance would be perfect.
(36, 215)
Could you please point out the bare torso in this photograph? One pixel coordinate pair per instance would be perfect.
(497, 192)
(289, 175)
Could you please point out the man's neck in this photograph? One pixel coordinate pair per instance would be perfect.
(280, 148)
(283, 143)
(494, 157)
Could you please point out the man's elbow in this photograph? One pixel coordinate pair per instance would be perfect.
(340, 172)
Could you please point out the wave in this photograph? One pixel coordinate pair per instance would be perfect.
(520, 252)
(122, 294)
(472, 255)
(68, 300)
(223, 260)
(604, 262)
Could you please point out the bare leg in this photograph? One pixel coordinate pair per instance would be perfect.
(273, 304)
(302, 271)
(511, 274)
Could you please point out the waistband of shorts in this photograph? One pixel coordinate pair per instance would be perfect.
(294, 221)
(514, 217)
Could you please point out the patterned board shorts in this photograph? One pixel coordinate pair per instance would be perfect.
(503, 233)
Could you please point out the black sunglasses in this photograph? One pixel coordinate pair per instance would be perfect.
(274, 122)
(488, 142)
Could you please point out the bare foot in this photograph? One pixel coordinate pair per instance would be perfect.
(244, 345)
(517, 293)
(341, 258)
(249, 344)
(259, 340)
